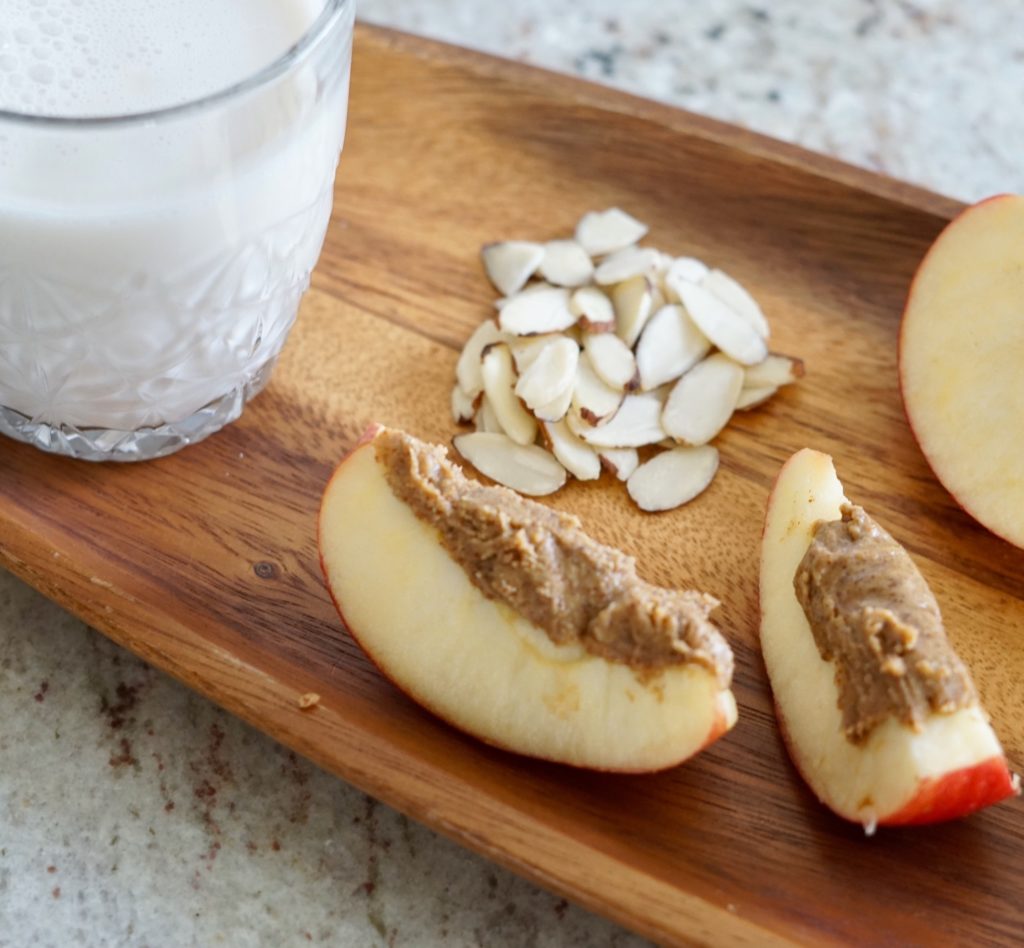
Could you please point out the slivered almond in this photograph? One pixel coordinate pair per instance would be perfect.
(463, 406)
(595, 400)
(703, 400)
(485, 418)
(625, 264)
(620, 461)
(566, 263)
(499, 380)
(752, 397)
(726, 329)
(632, 300)
(685, 270)
(585, 323)
(550, 374)
(672, 478)
(670, 345)
(575, 455)
(557, 408)
(593, 309)
(776, 369)
(734, 295)
(636, 423)
(467, 369)
(510, 263)
(601, 232)
(525, 349)
(611, 359)
(536, 310)
(527, 468)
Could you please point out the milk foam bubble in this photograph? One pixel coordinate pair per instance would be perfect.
(109, 57)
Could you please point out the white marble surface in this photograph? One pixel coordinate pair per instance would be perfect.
(134, 813)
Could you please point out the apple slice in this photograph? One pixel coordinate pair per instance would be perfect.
(476, 662)
(960, 362)
(949, 765)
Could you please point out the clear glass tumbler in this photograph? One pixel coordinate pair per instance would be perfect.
(151, 265)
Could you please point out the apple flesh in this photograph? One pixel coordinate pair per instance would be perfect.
(961, 341)
(479, 665)
(952, 766)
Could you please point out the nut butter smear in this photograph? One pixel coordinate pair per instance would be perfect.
(871, 612)
(541, 564)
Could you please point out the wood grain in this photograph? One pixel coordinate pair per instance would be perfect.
(205, 563)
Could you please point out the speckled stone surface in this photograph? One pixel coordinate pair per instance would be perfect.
(133, 812)
(928, 91)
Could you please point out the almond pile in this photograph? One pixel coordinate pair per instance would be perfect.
(602, 347)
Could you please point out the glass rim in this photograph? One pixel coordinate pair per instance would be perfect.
(298, 51)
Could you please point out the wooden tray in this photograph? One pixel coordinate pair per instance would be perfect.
(205, 563)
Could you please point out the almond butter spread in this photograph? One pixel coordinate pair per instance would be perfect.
(541, 564)
(872, 613)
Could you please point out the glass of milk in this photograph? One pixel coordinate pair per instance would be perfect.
(166, 177)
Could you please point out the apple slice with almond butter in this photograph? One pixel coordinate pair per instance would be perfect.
(579, 677)
(879, 715)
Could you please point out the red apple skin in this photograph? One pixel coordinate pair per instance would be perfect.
(950, 797)
(718, 728)
(957, 794)
(995, 198)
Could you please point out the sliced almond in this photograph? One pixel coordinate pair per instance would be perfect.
(536, 310)
(734, 295)
(752, 397)
(467, 369)
(611, 359)
(550, 374)
(620, 461)
(525, 349)
(463, 406)
(636, 423)
(632, 300)
(594, 399)
(511, 263)
(625, 264)
(601, 232)
(685, 270)
(670, 345)
(557, 408)
(672, 478)
(726, 329)
(593, 309)
(575, 455)
(566, 263)
(703, 400)
(776, 369)
(499, 380)
(485, 418)
(527, 468)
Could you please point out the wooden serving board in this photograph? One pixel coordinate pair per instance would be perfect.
(205, 563)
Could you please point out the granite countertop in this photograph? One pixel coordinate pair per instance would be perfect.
(134, 812)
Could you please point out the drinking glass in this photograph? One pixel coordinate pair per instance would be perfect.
(151, 265)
